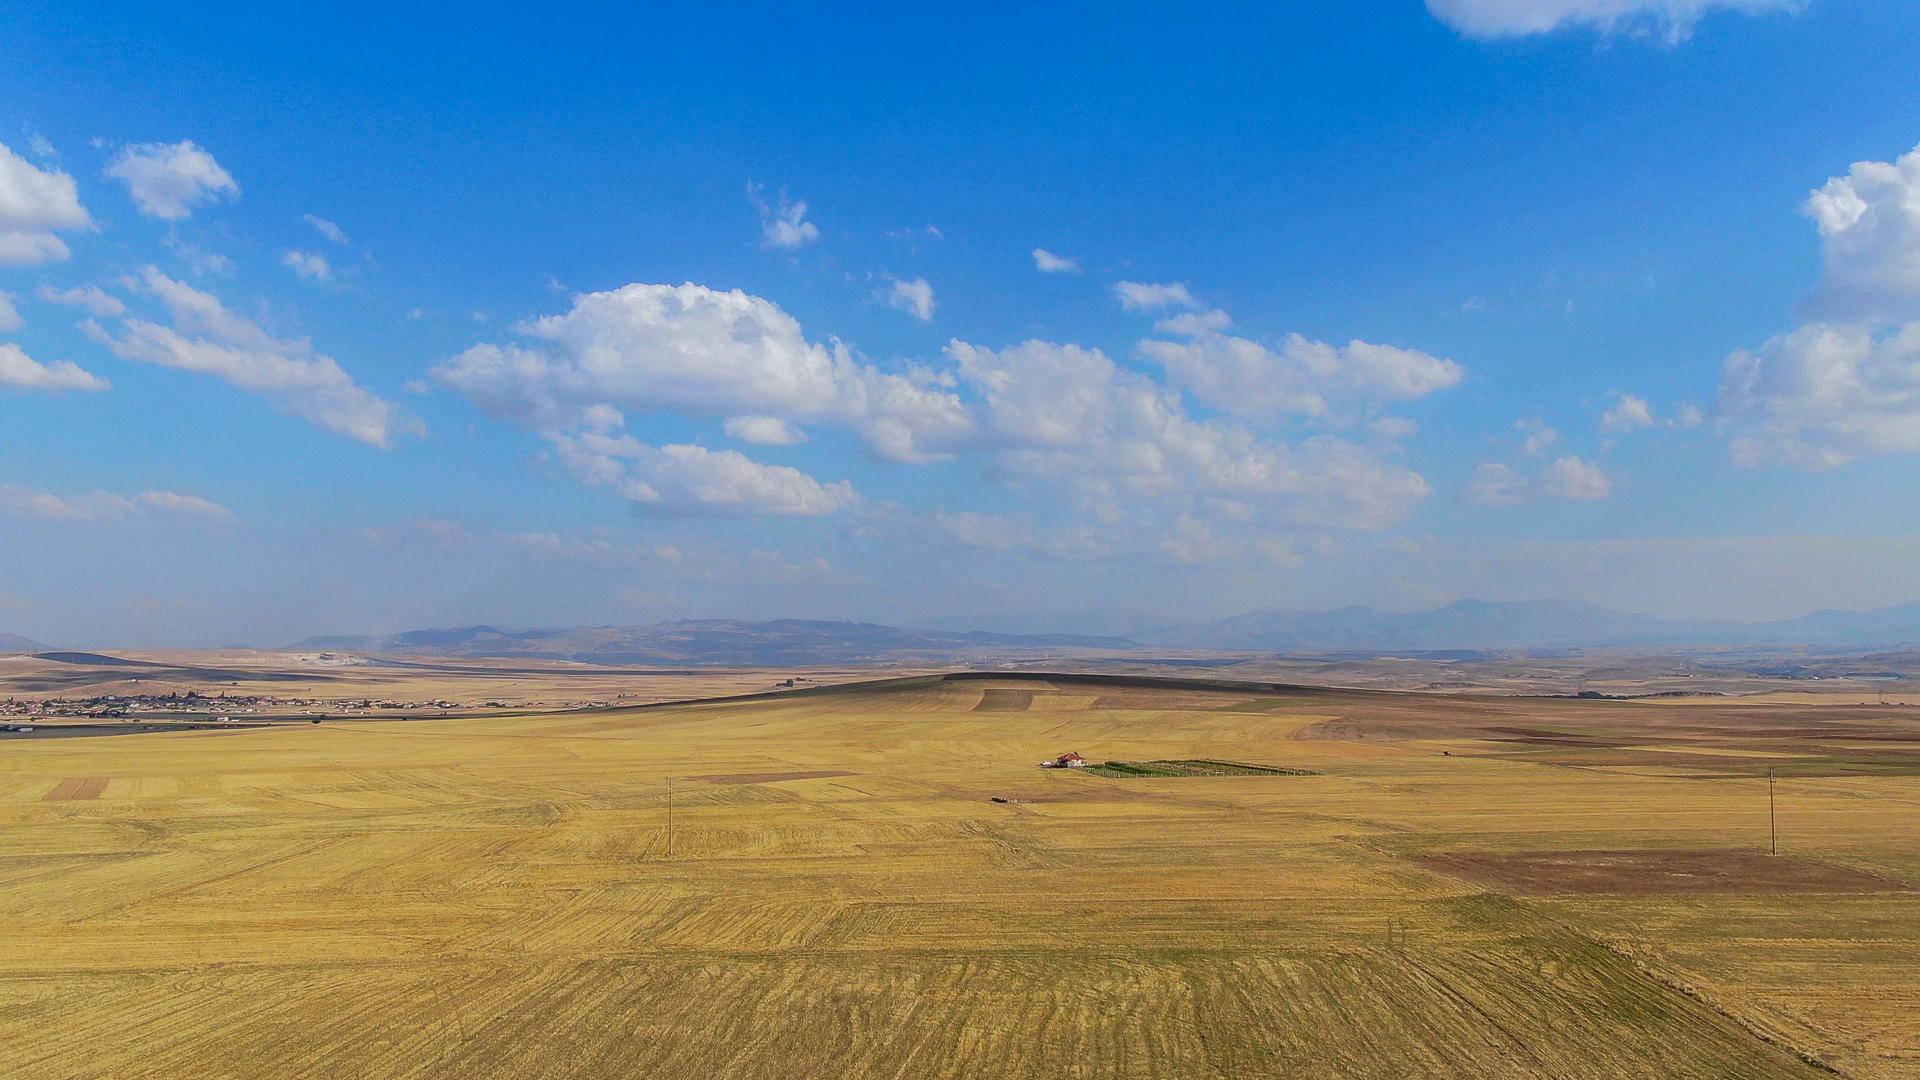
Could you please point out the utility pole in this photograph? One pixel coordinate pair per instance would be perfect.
(1773, 828)
(669, 815)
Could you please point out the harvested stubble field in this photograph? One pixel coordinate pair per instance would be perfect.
(1469, 888)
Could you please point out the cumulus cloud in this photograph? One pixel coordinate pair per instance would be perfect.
(913, 297)
(1869, 222)
(1194, 323)
(764, 431)
(209, 339)
(693, 479)
(167, 180)
(1495, 484)
(1048, 263)
(1046, 415)
(1628, 413)
(1539, 437)
(784, 224)
(198, 259)
(1824, 395)
(20, 372)
(326, 228)
(34, 204)
(596, 549)
(308, 265)
(90, 298)
(1063, 414)
(9, 315)
(1308, 378)
(106, 506)
(1672, 19)
(1575, 478)
(705, 353)
(1846, 386)
(1141, 296)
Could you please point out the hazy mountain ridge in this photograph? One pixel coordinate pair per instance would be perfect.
(14, 643)
(709, 641)
(1464, 625)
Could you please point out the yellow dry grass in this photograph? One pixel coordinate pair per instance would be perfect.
(494, 898)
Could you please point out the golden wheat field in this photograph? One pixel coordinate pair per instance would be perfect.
(1462, 888)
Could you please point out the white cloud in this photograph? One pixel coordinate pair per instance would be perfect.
(1628, 413)
(1048, 263)
(913, 297)
(1539, 437)
(1494, 484)
(199, 259)
(1869, 223)
(1068, 415)
(34, 204)
(764, 431)
(211, 340)
(167, 180)
(1194, 323)
(1309, 378)
(784, 225)
(105, 506)
(693, 479)
(1140, 296)
(1831, 391)
(597, 549)
(41, 146)
(1824, 395)
(31, 248)
(1671, 19)
(704, 353)
(9, 315)
(1039, 415)
(1575, 478)
(92, 298)
(308, 265)
(327, 228)
(18, 371)
(171, 502)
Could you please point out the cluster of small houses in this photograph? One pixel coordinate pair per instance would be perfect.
(1069, 760)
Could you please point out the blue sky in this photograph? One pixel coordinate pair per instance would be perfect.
(374, 318)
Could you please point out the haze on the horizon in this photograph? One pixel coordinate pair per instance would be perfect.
(367, 320)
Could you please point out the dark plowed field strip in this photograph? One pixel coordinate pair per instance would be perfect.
(77, 787)
(1655, 873)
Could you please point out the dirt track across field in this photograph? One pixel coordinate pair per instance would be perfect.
(769, 777)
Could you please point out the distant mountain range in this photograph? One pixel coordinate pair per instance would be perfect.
(1466, 626)
(781, 642)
